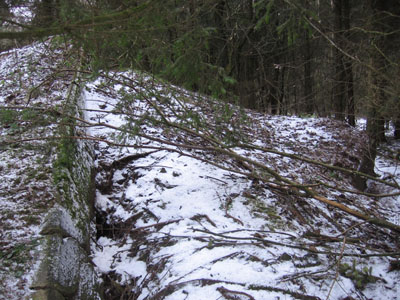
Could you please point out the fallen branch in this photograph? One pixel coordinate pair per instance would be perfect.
(160, 224)
(375, 221)
(225, 292)
(358, 192)
(301, 247)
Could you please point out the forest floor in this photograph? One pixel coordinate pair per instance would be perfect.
(188, 211)
(173, 225)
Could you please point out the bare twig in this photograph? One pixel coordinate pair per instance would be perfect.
(225, 292)
(337, 268)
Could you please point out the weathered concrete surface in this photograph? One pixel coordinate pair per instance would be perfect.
(65, 272)
(47, 294)
(59, 221)
(59, 270)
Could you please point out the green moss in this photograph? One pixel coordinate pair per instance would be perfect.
(8, 116)
(37, 174)
(267, 212)
(19, 254)
(360, 276)
(29, 115)
(64, 161)
(59, 174)
(42, 205)
(42, 176)
(31, 220)
(66, 154)
(17, 181)
(29, 147)
(82, 225)
(30, 173)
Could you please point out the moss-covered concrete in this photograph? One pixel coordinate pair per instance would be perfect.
(64, 271)
(47, 294)
(59, 221)
(59, 269)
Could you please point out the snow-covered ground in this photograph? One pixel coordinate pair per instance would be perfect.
(176, 227)
(179, 220)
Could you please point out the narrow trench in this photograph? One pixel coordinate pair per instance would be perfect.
(111, 289)
(106, 226)
(112, 181)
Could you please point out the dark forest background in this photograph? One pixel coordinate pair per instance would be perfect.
(337, 58)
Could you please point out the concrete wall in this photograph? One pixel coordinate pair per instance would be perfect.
(65, 271)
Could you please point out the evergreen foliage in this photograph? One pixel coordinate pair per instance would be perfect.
(277, 56)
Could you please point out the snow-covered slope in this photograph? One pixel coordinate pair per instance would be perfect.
(173, 225)
(26, 187)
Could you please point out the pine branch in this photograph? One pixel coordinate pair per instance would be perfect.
(90, 22)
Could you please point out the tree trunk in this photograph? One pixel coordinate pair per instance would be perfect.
(46, 12)
(308, 80)
(339, 89)
(377, 83)
(367, 165)
(273, 96)
(4, 11)
(348, 67)
(282, 106)
(397, 129)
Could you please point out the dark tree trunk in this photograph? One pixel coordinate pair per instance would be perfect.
(397, 129)
(4, 11)
(339, 89)
(218, 49)
(377, 83)
(351, 107)
(308, 79)
(46, 12)
(348, 67)
(273, 96)
(282, 106)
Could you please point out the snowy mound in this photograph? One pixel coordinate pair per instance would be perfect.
(197, 200)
